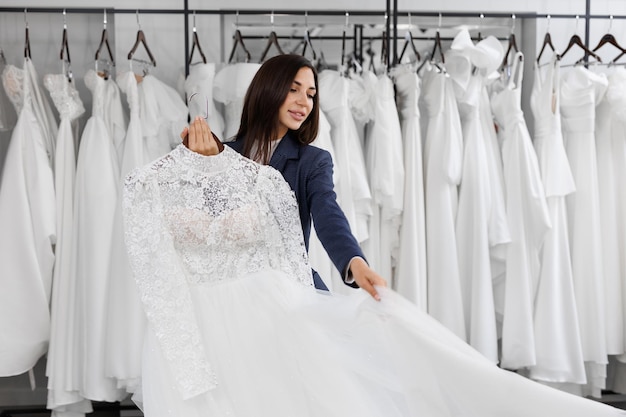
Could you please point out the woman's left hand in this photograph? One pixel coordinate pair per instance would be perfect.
(366, 278)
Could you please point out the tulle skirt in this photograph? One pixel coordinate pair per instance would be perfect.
(283, 350)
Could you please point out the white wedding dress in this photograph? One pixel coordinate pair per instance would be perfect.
(236, 327)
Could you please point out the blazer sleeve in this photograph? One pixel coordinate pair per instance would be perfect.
(331, 224)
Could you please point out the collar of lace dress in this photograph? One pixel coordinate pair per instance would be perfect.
(208, 164)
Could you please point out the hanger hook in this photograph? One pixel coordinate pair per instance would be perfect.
(306, 19)
(272, 20)
(610, 23)
(105, 19)
(577, 20)
(439, 25)
(194, 20)
(410, 25)
(64, 19)
(206, 99)
(137, 17)
(26, 18)
(237, 19)
(513, 17)
(347, 19)
(548, 28)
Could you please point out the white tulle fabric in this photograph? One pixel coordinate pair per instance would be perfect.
(221, 266)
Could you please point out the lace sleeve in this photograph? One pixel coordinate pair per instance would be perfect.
(162, 285)
(289, 245)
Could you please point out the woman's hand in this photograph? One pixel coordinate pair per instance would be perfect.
(366, 278)
(199, 138)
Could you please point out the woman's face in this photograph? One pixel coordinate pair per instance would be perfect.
(298, 103)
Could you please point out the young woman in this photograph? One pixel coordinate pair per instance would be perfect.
(279, 121)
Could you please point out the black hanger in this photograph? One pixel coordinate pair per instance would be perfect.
(576, 41)
(511, 48)
(26, 38)
(272, 40)
(141, 39)
(438, 47)
(408, 41)
(196, 43)
(238, 41)
(547, 41)
(306, 42)
(65, 48)
(104, 41)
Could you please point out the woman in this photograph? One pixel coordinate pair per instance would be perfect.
(279, 121)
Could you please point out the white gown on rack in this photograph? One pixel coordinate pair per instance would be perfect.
(469, 66)
(200, 80)
(608, 193)
(158, 115)
(385, 165)
(581, 91)
(229, 88)
(28, 225)
(443, 164)
(234, 318)
(409, 278)
(63, 387)
(558, 346)
(529, 221)
(353, 190)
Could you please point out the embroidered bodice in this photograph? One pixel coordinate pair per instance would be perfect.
(64, 95)
(195, 220)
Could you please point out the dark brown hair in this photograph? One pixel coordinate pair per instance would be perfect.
(266, 93)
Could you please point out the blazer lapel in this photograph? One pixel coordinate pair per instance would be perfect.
(287, 149)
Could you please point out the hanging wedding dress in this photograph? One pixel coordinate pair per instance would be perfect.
(220, 263)
(470, 66)
(385, 166)
(353, 190)
(608, 194)
(200, 80)
(229, 88)
(443, 164)
(157, 116)
(581, 91)
(28, 224)
(409, 278)
(529, 221)
(63, 386)
(558, 348)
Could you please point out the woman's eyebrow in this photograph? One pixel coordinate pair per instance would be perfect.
(300, 84)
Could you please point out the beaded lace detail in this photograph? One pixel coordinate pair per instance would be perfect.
(13, 81)
(64, 95)
(196, 220)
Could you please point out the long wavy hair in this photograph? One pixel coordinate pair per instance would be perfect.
(266, 94)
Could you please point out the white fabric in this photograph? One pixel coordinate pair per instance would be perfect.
(62, 389)
(581, 91)
(200, 80)
(558, 348)
(409, 278)
(7, 122)
(529, 222)
(229, 88)
(443, 164)
(609, 192)
(234, 318)
(385, 165)
(158, 115)
(467, 63)
(28, 224)
(353, 190)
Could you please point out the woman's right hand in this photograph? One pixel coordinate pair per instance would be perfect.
(199, 138)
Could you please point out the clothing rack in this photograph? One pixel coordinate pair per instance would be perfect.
(391, 14)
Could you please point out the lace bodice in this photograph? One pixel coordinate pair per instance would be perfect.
(13, 81)
(64, 95)
(195, 220)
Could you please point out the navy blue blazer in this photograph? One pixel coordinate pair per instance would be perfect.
(309, 172)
